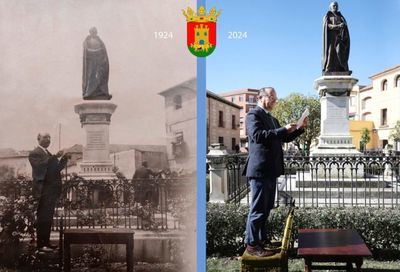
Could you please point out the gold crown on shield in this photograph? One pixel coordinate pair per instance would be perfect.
(201, 15)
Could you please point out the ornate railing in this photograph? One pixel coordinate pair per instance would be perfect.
(237, 183)
(149, 204)
(324, 180)
(139, 203)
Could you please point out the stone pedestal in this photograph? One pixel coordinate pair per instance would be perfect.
(335, 136)
(95, 117)
(218, 173)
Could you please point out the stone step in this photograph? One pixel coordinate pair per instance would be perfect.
(344, 192)
(321, 202)
(343, 183)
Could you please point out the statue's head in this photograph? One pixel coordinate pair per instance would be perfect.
(93, 31)
(334, 6)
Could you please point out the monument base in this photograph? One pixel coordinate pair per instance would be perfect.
(96, 170)
(95, 117)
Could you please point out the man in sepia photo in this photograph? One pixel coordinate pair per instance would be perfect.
(46, 174)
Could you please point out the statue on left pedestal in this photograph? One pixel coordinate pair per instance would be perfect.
(95, 68)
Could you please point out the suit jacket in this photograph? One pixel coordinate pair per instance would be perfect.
(142, 173)
(265, 136)
(46, 171)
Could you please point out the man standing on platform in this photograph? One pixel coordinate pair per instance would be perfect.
(264, 164)
(46, 174)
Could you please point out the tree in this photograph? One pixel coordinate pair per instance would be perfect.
(365, 138)
(395, 134)
(289, 110)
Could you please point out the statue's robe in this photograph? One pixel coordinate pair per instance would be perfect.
(336, 44)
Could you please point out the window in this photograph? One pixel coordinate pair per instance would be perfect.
(233, 144)
(251, 99)
(233, 122)
(220, 119)
(384, 85)
(365, 102)
(232, 99)
(178, 145)
(384, 117)
(352, 101)
(250, 107)
(240, 98)
(221, 140)
(178, 101)
(367, 116)
(397, 81)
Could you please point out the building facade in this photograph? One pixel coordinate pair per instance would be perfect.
(246, 99)
(379, 103)
(180, 125)
(223, 122)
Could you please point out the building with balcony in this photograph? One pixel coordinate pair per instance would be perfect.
(246, 99)
(180, 125)
(379, 103)
(223, 122)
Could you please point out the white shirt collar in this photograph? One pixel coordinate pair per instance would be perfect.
(44, 149)
(266, 111)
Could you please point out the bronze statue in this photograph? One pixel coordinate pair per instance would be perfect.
(95, 68)
(336, 43)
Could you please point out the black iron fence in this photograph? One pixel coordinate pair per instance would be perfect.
(140, 203)
(366, 180)
(154, 203)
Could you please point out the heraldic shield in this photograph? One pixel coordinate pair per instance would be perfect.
(201, 31)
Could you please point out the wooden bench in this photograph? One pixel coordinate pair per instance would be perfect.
(98, 236)
(279, 260)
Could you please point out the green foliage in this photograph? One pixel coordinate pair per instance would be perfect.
(380, 228)
(395, 134)
(365, 138)
(225, 228)
(16, 216)
(289, 110)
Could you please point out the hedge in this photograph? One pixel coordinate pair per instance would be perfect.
(379, 227)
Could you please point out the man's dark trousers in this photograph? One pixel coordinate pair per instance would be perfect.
(45, 213)
(263, 196)
(47, 193)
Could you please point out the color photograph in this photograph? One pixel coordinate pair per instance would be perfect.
(303, 136)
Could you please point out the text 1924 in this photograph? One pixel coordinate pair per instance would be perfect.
(163, 35)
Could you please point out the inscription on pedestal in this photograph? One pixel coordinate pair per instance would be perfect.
(336, 116)
(95, 140)
(337, 108)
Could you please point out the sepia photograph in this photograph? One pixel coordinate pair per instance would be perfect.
(98, 138)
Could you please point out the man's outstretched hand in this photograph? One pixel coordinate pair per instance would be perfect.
(305, 123)
(291, 127)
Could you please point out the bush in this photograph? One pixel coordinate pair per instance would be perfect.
(380, 228)
(225, 228)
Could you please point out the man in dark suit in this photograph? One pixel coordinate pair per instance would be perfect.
(264, 164)
(46, 174)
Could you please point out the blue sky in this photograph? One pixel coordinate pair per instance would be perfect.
(284, 42)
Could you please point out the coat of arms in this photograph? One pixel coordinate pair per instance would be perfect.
(201, 30)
